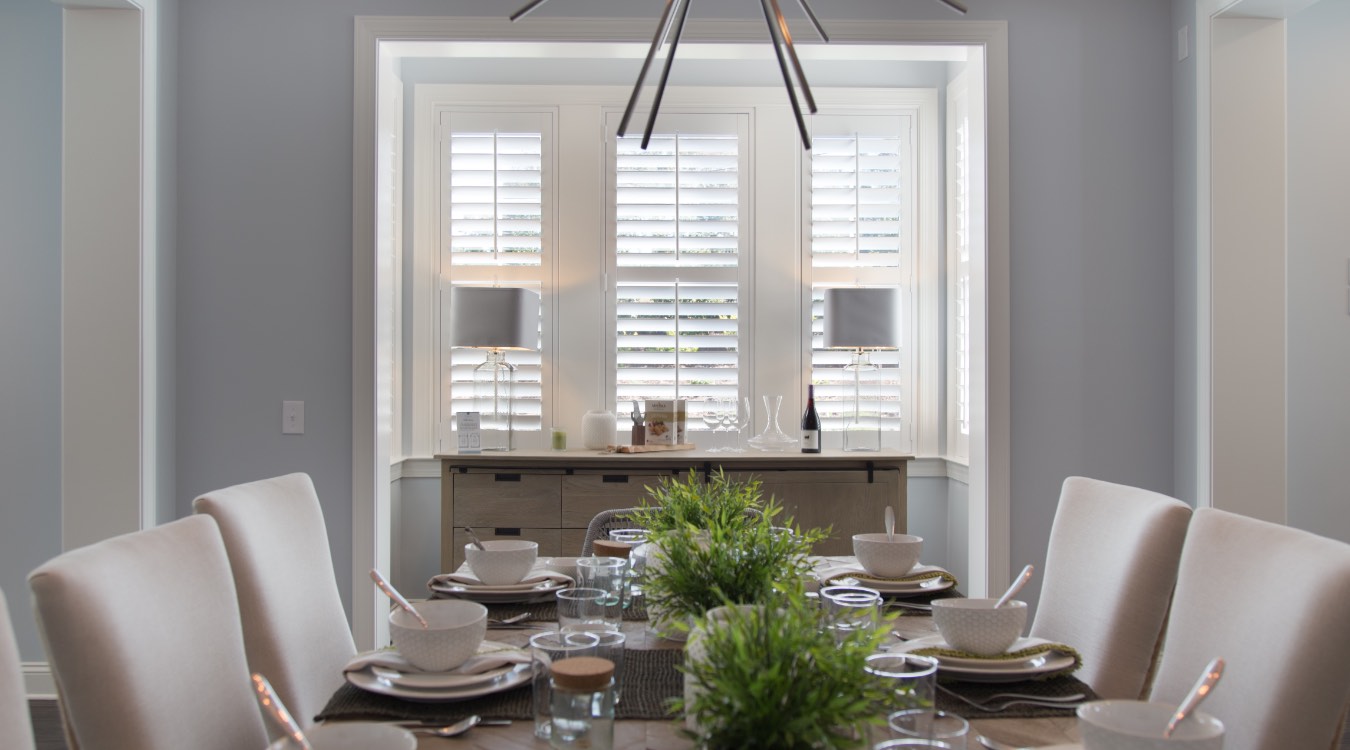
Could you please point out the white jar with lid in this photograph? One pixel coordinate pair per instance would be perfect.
(597, 429)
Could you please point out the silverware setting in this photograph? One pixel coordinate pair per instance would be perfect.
(456, 729)
(1016, 699)
(993, 744)
(512, 620)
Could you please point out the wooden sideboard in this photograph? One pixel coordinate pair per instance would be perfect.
(550, 496)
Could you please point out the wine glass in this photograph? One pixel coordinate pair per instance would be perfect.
(712, 418)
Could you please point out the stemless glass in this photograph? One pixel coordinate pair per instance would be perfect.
(609, 574)
(581, 609)
(939, 726)
(910, 683)
(849, 608)
(546, 648)
(637, 559)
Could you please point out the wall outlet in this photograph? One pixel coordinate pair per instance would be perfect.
(292, 417)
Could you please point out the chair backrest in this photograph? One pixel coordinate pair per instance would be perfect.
(603, 523)
(142, 633)
(1109, 572)
(295, 629)
(1274, 602)
(16, 731)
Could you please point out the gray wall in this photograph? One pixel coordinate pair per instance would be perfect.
(1184, 242)
(1319, 269)
(265, 102)
(30, 301)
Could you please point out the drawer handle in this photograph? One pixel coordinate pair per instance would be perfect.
(506, 532)
(506, 477)
(615, 479)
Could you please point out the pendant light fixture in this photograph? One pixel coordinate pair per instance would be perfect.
(674, 16)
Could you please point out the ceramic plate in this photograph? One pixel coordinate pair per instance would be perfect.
(502, 594)
(993, 670)
(517, 675)
(892, 588)
(353, 735)
(417, 679)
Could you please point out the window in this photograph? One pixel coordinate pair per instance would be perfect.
(492, 170)
(678, 216)
(860, 202)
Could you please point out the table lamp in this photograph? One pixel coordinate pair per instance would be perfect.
(863, 319)
(496, 319)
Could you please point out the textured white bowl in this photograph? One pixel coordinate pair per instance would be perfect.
(974, 625)
(353, 735)
(565, 565)
(886, 558)
(503, 562)
(1138, 725)
(455, 628)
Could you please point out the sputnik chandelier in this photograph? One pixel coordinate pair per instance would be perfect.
(675, 14)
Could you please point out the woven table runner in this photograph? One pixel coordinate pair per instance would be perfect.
(981, 691)
(650, 679)
(547, 611)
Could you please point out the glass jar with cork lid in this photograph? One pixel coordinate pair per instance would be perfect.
(583, 703)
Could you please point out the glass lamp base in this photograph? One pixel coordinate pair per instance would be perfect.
(860, 438)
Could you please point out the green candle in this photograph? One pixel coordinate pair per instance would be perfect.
(559, 439)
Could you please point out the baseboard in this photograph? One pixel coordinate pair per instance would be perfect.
(37, 681)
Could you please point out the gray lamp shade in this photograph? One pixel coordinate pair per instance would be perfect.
(862, 318)
(494, 317)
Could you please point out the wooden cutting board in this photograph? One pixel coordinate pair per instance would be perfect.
(650, 448)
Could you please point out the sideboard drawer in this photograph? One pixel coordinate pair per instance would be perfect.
(507, 499)
(585, 495)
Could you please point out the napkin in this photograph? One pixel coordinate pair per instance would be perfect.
(491, 655)
(465, 577)
(1026, 649)
(915, 574)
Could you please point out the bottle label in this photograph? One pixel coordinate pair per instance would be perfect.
(810, 439)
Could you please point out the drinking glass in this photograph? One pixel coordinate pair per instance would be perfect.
(581, 609)
(914, 743)
(637, 559)
(546, 648)
(910, 683)
(610, 646)
(939, 726)
(610, 575)
(849, 608)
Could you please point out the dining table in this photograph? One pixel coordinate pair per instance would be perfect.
(1051, 728)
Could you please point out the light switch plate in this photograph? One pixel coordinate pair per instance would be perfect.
(292, 417)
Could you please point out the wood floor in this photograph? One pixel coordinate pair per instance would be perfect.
(47, 727)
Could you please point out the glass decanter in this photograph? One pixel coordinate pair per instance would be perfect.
(772, 438)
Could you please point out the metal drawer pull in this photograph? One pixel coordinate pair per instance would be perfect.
(614, 479)
(506, 532)
(506, 477)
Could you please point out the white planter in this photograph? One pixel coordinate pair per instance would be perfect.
(695, 652)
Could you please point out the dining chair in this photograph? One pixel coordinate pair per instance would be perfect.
(16, 730)
(1109, 572)
(604, 522)
(142, 634)
(1274, 602)
(295, 629)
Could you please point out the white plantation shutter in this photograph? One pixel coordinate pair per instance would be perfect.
(959, 215)
(860, 202)
(494, 210)
(679, 208)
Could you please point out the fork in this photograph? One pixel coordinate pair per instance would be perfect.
(1066, 701)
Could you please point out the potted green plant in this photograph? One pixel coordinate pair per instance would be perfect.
(772, 676)
(683, 502)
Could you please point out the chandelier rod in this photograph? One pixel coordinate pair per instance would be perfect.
(658, 40)
(665, 75)
(778, 42)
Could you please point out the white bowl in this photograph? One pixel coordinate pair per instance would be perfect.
(353, 735)
(974, 625)
(502, 562)
(1138, 725)
(565, 565)
(455, 627)
(887, 558)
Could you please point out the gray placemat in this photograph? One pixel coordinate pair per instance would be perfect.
(544, 610)
(980, 692)
(650, 680)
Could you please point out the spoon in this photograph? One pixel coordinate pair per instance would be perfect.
(1198, 693)
(274, 708)
(474, 538)
(1017, 585)
(458, 728)
(398, 598)
(890, 524)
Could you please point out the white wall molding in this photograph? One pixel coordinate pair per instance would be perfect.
(38, 683)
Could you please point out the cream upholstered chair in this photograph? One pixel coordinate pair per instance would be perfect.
(295, 629)
(16, 732)
(1108, 577)
(142, 633)
(1274, 602)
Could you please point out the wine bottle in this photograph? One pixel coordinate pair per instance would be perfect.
(810, 423)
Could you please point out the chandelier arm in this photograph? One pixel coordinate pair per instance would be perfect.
(787, 78)
(806, 7)
(665, 73)
(525, 11)
(658, 39)
(955, 5)
(792, 55)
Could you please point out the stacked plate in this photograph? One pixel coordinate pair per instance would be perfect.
(527, 591)
(891, 586)
(439, 686)
(995, 669)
